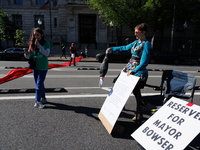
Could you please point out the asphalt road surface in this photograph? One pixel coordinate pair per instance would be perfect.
(70, 119)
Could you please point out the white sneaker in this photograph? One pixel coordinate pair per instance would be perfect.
(39, 105)
(43, 100)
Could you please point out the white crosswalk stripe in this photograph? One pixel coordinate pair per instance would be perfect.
(80, 95)
(84, 76)
(70, 96)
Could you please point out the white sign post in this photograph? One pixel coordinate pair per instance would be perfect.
(116, 100)
(172, 127)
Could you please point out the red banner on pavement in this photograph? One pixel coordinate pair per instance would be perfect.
(16, 73)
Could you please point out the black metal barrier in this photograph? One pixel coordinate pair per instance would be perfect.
(9, 91)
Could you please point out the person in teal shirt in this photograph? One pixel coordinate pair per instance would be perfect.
(39, 49)
(140, 50)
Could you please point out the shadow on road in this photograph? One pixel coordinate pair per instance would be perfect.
(129, 126)
(78, 109)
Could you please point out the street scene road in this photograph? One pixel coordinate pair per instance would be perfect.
(70, 118)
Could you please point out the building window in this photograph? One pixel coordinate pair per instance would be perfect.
(18, 1)
(17, 20)
(55, 22)
(40, 2)
(41, 18)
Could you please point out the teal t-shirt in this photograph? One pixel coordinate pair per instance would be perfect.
(41, 60)
(139, 60)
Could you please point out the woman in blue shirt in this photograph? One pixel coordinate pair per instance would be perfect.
(140, 50)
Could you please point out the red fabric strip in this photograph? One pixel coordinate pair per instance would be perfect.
(16, 73)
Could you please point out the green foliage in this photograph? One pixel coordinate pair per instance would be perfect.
(158, 12)
(123, 12)
(195, 19)
(19, 38)
(7, 27)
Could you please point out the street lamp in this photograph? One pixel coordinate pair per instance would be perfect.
(127, 40)
(40, 23)
(185, 27)
(111, 25)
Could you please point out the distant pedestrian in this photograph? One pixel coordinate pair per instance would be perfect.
(63, 52)
(86, 52)
(73, 54)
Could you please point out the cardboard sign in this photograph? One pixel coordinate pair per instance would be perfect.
(116, 100)
(172, 127)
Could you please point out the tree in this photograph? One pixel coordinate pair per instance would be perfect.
(195, 20)
(158, 12)
(7, 27)
(123, 12)
(19, 38)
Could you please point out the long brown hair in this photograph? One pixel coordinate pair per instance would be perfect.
(142, 27)
(32, 37)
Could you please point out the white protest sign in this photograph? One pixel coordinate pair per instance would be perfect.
(172, 127)
(116, 100)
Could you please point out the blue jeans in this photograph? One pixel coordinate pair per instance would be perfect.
(39, 76)
(71, 61)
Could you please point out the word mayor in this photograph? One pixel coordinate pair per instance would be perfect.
(169, 130)
(165, 144)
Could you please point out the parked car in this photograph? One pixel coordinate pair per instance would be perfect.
(116, 56)
(166, 58)
(14, 53)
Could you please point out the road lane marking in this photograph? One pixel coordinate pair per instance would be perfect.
(84, 87)
(84, 76)
(106, 88)
(72, 96)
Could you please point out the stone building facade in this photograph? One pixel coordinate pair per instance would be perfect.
(70, 21)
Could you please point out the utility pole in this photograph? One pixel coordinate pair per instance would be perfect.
(50, 19)
(173, 24)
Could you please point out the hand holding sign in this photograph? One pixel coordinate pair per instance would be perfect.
(116, 100)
